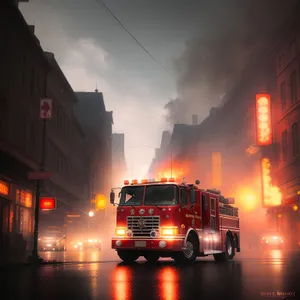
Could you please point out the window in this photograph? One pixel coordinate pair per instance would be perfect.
(284, 145)
(283, 96)
(32, 81)
(295, 139)
(213, 223)
(193, 197)
(184, 196)
(203, 203)
(293, 81)
(213, 204)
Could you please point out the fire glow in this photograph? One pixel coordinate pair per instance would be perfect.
(263, 120)
(271, 194)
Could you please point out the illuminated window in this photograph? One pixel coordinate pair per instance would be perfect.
(4, 188)
(293, 83)
(24, 198)
(295, 138)
(284, 145)
(283, 95)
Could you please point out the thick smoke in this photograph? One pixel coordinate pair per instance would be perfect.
(230, 33)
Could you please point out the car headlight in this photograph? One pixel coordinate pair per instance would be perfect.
(168, 230)
(120, 231)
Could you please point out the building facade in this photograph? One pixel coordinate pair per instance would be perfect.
(286, 122)
(22, 84)
(28, 74)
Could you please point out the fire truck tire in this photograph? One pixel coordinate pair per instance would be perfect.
(128, 256)
(190, 254)
(229, 252)
(151, 257)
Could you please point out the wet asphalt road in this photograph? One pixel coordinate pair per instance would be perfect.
(247, 277)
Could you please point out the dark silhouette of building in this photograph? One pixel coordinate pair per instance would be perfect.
(97, 125)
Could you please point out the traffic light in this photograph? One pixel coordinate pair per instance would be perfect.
(100, 202)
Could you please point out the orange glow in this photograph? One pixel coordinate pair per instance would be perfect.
(144, 180)
(122, 281)
(100, 202)
(216, 169)
(295, 208)
(263, 120)
(171, 179)
(178, 170)
(135, 181)
(271, 194)
(168, 283)
(126, 182)
(247, 198)
(164, 179)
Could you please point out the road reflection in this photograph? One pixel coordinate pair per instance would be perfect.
(168, 283)
(122, 283)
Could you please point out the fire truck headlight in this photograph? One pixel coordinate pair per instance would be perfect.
(120, 231)
(169, 230)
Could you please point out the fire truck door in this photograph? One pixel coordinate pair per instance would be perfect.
(186, 212)
(195, 210)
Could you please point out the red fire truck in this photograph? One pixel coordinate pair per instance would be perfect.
(177, 220)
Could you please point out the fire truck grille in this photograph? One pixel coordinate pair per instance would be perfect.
(142, 226)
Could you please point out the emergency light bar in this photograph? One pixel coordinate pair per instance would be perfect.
(144, 181)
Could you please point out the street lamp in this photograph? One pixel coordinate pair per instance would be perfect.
(91, 214)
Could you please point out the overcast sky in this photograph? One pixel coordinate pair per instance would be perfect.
(93, 49)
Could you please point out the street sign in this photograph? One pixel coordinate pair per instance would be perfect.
(45, 108)
(47, 203)
(39, 175)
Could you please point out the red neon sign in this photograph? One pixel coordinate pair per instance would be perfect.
(47, 203)
(263, 120)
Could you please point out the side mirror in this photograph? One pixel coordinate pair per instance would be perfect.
(112, 197)
(231, 200)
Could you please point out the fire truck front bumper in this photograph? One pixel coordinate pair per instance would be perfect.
(161, 244)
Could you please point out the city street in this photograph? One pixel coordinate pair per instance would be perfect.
(102, 276)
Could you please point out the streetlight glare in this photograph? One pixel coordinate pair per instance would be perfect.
(91, 213)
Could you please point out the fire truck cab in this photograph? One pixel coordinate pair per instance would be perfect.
(178, 220)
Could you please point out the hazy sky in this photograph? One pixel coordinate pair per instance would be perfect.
(92, 48)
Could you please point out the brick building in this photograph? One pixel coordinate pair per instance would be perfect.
(286, 122)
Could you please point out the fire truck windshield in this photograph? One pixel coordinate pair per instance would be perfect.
(132, 195)
(155, 195)
(161, 195)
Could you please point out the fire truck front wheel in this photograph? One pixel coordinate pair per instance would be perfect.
(128, 256)
(190, 253)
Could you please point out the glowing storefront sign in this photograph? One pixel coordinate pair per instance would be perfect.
(4, 188)
(271, 195)
(263, 120)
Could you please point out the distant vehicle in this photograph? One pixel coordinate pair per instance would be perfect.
(86, 244)
(272, 239)
(52, 239)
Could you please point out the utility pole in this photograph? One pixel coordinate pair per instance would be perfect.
(45, 114)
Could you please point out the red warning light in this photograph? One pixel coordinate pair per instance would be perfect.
(47, 203)
(263, 120)
(144, 181)
(135, 181)
(126, 182)
(164, 179)
(171, 179)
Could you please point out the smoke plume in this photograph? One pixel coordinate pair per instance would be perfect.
(231, 32)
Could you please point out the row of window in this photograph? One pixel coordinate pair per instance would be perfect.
(290, 89)
(58, 162)
(285, 142)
